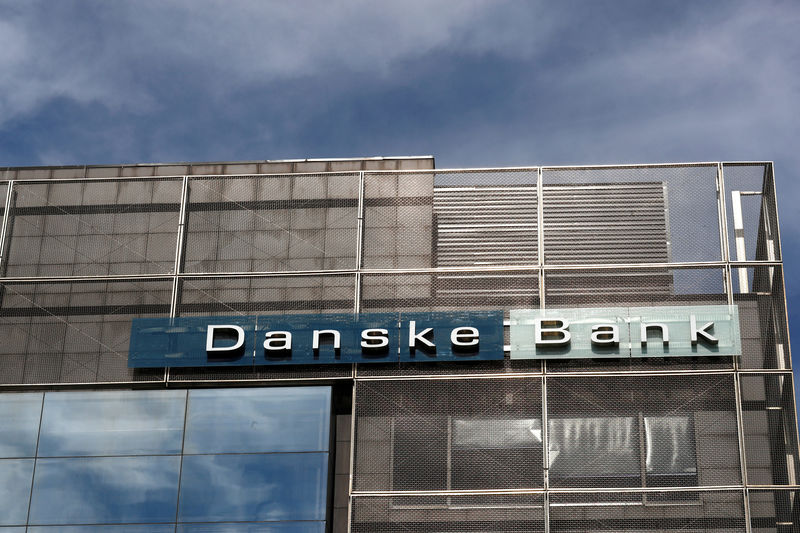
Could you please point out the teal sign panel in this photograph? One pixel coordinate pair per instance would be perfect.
(623, 332)
(312, 339)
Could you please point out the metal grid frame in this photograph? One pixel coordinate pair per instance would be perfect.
(727, 264)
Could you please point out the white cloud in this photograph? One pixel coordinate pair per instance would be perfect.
(117, 53)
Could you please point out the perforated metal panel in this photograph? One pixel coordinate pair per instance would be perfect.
(434, 514)
(267, 295)
(643, 431)
(623, 215)
(447, 291)
(774, 511)
(696, 512)
(75, 332)
(762, 316)
(448, 434)
(93, 228)
(770, 429)
(272, 223)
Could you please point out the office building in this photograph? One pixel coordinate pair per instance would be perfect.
(376, 345)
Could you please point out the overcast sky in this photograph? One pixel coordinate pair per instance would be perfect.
(474, 83)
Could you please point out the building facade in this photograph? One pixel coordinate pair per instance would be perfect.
(634, 434)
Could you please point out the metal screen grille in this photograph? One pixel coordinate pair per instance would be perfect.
(622, 215)
(642, 431)
(398, 220)
(272, 224)
(695, 512)
(516, 513)
(775, 511)
(751, 212)
(762, 314)
(75, 332)
(770, 429)
(267, 295)
(449, 291)
(457, 434)
(93, 228)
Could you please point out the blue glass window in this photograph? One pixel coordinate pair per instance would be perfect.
(105, 490)
(19, 420)
(127, 528)
(290, 419)
(257, 487)
(15, 487)
(258, 527)
(112, 423)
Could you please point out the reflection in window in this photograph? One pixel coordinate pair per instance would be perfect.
(480, 446)
(609, 450)
(98, 490)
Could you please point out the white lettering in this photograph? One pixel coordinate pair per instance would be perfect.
(606, 334)
(375, 338)
(556, 334)
(337, 338)
(414, 337)
(211, 335)
(702, 331)
(278, 341)
(662, 327)
(465, 336)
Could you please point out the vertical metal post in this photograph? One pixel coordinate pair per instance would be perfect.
(359, 243)
(742, 451)
(352, 458)
(545, 457)
(540, 234)
(738, 235)
(4, 228)
(176, 285)
(723, 232)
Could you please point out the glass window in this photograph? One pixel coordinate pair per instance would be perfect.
(262, 527)
(669, 445)
(105, 490)
(19, 418)
(291, 419)
(603, 451)
(127, 528)
(15, 488)
(588, 447)
(282, 486)
(112, 423)
(479, 445)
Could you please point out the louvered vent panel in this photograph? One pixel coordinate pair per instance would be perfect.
(478, 226)
(605, 223)
(601, 223)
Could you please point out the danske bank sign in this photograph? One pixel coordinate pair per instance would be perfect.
(622, 332)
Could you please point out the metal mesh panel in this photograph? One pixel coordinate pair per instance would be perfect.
(398, 220)
(694, 512)
(267, 295)
(638, 288)
(630, 215)
(634, 431)
(775, 511)
(272, 223)
(455, 434)
(770, 429)
(93, 228)
(751, 212)
(449, 291)
(762, 316)
(75, 332)
(516, 513)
